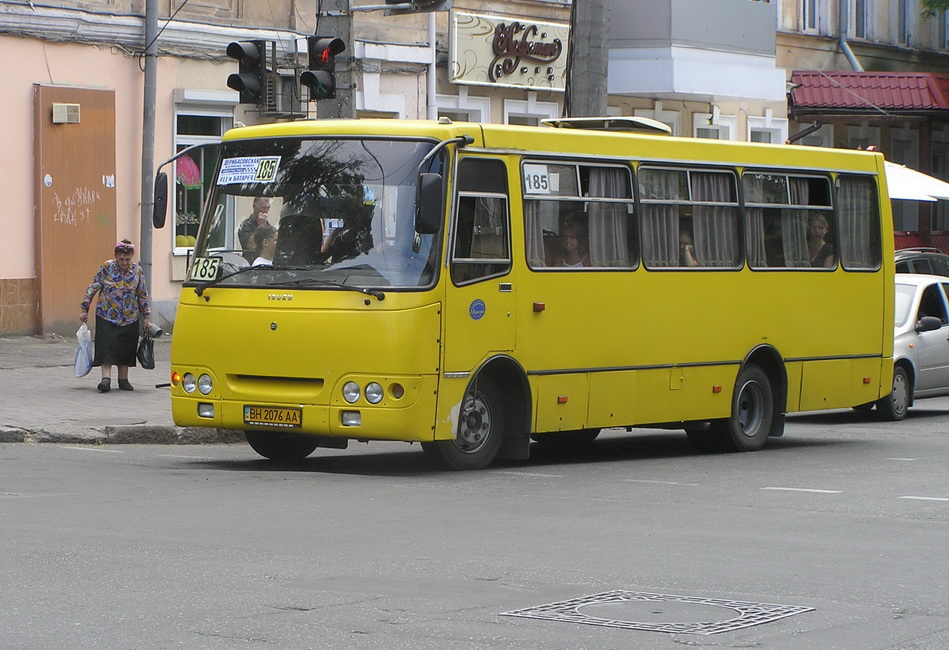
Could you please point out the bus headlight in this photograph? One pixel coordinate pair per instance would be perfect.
(374, 393)
(205, 384)
(351, 392)
(188, 383)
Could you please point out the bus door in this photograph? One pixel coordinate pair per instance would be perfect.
(479, 305)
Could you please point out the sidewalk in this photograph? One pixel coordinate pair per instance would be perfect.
(43, 401)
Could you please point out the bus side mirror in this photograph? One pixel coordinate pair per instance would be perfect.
(160, 206)
(428, 215)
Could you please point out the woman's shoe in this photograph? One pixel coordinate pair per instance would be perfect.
(105, 385)
(125, 385)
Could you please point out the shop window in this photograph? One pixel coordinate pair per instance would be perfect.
(193, 171)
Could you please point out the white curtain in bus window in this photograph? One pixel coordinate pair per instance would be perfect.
(715, 219)
(660, 218)
(859, 216)
(609, 222)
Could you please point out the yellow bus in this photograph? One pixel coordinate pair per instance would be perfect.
(476, 287)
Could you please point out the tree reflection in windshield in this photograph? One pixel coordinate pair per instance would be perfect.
(344, 210)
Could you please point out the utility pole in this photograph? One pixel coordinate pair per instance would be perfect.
(588, 58)
(336, 20)
(148, 138)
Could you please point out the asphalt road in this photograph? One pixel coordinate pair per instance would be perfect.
(835, 536)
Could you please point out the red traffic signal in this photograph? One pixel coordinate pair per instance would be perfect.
(320, 77)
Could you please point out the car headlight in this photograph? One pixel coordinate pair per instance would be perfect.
(188, 383)
(205, 384)
(374, 393)
(351, 392)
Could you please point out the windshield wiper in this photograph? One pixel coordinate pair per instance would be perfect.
(259, 267)
(375, 293)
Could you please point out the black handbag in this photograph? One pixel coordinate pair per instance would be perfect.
(146, 352)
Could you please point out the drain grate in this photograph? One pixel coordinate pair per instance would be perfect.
(742, 614)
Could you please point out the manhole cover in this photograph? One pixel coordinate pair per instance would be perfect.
(633, 610)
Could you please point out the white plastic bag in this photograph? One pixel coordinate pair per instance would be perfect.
(84, 351)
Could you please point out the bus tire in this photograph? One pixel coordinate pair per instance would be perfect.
(282, 447)
(481, 428)
(566, 439)
(893, 407)
(752, 412)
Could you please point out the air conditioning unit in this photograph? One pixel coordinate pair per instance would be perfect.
(283, 96)
(66, 114)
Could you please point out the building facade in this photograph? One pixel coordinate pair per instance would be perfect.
(728, 69)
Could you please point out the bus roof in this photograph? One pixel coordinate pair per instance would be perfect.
(579, 141)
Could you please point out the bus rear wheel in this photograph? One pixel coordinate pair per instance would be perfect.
(752, 413)
(282, 447)
(481, 429)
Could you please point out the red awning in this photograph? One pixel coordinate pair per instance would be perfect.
(832, 92)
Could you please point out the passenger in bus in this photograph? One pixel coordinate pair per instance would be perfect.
(821, 253)
(575, 245)
(265, 243)
(687, 251)
(257, 218)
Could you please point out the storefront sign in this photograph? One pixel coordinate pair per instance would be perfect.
(501, 51)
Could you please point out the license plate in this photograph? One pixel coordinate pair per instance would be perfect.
(267, 416)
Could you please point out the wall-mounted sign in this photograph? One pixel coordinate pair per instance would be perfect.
(503, 51)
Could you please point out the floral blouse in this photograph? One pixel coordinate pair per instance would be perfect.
(123, 297)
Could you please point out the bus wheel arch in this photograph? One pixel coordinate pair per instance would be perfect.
(492, 423)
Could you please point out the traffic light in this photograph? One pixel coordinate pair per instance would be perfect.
(320, 77)
(251, 78)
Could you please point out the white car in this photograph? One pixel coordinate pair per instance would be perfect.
(921, 346)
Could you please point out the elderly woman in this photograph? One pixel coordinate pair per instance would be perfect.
(123, 301)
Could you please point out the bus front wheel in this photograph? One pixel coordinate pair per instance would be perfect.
(752, 413)
(282, 447)
(480, 431)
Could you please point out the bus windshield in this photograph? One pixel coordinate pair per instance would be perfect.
(317, 213)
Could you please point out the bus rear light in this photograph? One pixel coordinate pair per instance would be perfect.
(351, 418)
(205, 410)
(397, 391)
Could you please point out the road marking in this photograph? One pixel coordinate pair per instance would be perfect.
(528, 474)
(906, 459)
(927, 498)
(787, 489)
(640, 480)
(105, 451)
(188, 457)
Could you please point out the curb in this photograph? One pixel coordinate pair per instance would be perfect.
(138, 434)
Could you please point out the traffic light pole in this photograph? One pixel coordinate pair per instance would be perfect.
(336, 19)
